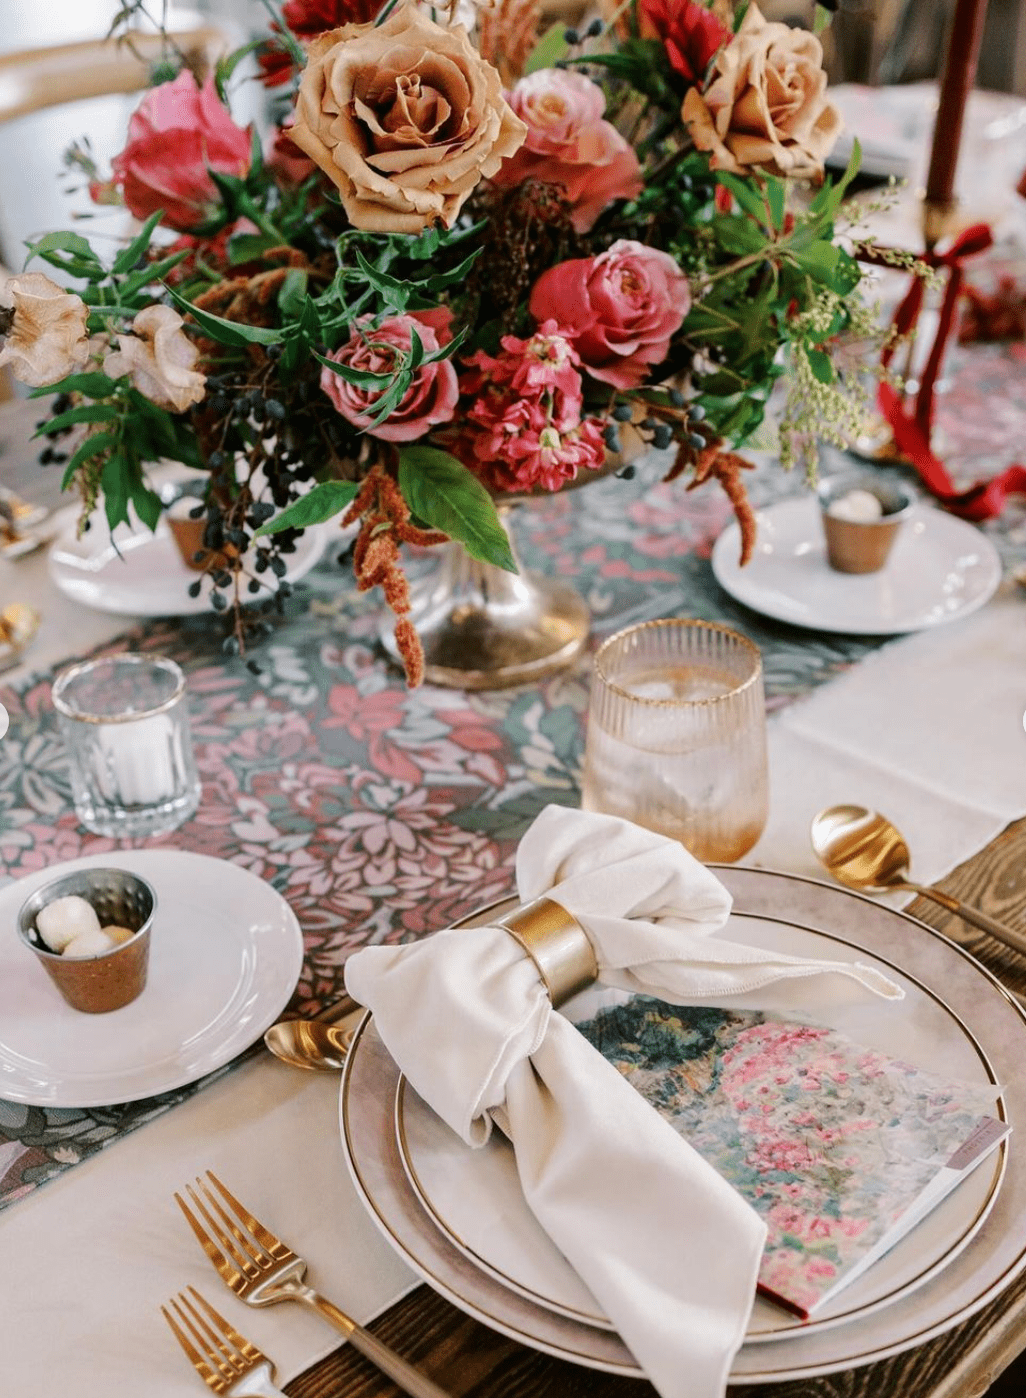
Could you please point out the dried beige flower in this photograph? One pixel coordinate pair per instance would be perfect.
(46, 339)
(161, 359)
(405, 118)
(766, 107)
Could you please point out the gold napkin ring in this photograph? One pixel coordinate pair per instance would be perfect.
(557, 944)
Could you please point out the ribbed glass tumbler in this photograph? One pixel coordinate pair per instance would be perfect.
(676, 736)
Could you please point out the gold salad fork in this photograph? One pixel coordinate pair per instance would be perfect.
(225, 1361)
(262, 1270)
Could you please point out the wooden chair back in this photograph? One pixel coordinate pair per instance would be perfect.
(34, 79)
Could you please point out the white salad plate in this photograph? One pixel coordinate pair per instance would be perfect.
(139, 572)
(940, 568)
(226, 951)
(485, 1253)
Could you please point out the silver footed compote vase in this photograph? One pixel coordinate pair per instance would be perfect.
(482, 627)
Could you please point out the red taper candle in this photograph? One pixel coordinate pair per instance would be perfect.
(959, 74)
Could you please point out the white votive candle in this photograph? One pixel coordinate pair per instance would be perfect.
(135, 762)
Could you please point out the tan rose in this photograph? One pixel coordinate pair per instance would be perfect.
(405, 118)
(160, 358)
(766, 107)
(46, 339)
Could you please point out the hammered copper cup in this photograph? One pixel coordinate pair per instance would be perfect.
(96, 984)
(862, 546)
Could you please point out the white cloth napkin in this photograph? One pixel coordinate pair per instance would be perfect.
(668, 1248)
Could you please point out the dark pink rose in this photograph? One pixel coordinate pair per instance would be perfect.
(569, 143)
(619, 310)
(431, 397)
(180, 133)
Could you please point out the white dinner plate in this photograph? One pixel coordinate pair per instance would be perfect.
(940, 569)
(474, 1196)
(145, 575)
(956, 1019)
(226, 951)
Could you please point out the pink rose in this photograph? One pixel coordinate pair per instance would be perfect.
(619, 310)
(431, 397)
(569, 143)
(180, 133)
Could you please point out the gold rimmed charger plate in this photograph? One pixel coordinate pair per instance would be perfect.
(956, 1014)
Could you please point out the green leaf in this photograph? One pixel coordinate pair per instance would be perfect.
(88, 412)
(115, 485)
(322, 503)
(776, 193)
(93, 385)
(244, 247)
(390, 399)
(147, 503)
(821, 366)
(64, 242)
(443, 492)
(551, 47)
(828, 198)
(394, 291)
(441, 280)
(819, 261)
(739, 236)
(359, 378)
(92, 446)
(226, 332)
(821, 19)
(292, 293)
(151, 273)
(226, 66)
(829, 264)
(128, 257)
(416, 350)
(748, 198)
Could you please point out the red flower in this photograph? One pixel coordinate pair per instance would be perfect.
(690, 33)
(179, 133)
(306, 19)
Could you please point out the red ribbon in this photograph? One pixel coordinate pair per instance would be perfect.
(912, 428)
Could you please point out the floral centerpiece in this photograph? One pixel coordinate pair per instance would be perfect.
(463, 256)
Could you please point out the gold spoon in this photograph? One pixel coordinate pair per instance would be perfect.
(308, 1043)
(864, 850)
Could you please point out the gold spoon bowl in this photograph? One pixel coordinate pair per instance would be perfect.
(863, 850)
(310, 1044)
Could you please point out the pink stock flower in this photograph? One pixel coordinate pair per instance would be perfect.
(523, 429)
(431, 397)
(570, 144)
(179, 133)
(619, 310)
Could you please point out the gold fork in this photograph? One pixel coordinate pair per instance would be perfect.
(262, 1270)
(225, 1361)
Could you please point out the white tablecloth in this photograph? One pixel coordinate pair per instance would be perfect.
(928, 730)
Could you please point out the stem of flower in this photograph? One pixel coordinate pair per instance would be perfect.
(385, 11)
(250, 210)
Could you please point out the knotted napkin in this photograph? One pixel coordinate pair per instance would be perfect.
(667, 1247)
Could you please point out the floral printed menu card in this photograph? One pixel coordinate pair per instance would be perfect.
(839, 1148)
